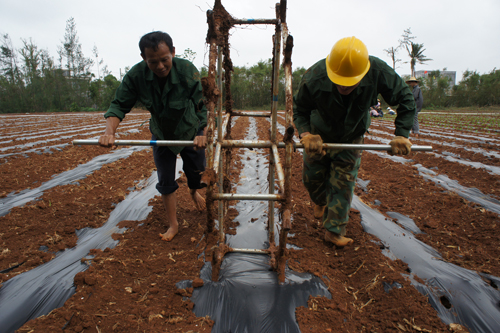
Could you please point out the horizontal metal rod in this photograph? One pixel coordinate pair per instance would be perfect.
(248, 144)
(255, 21)
(252, 114)
(173, 143)
(234, 196)
(251, 251)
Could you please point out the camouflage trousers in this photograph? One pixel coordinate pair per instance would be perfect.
(330, 182)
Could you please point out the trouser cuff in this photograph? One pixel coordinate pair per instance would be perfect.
(336, 229)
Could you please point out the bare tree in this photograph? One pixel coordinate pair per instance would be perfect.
(31, 59)
(8, 60)
(392, 54)
(188, 54)
(407, 38)
(71, 52)
(97, 61)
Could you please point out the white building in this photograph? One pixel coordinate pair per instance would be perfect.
(452, 75)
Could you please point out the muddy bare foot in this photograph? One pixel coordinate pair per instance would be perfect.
(199, 201)
(170, 234)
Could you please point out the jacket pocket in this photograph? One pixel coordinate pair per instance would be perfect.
(187, 125)
(171, 117)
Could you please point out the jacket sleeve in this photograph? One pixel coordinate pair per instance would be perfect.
(396, 92)
(303, 105)
(124, 101)
(419, 100)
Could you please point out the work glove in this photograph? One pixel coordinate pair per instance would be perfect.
(400, 146)
(313, 144)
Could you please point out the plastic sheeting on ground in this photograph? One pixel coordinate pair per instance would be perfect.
(459, 295)
(46, 287)
(471, 194)
(80, 172)
(249, 298)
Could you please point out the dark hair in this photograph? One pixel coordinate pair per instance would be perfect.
(152, 39)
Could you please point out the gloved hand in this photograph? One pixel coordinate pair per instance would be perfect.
(313, 144)
(400, 146)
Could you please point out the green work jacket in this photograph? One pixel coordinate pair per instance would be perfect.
(177, 113)
(319, 108)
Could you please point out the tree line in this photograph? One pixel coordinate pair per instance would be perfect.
(32, 81)
(251, 86)
(474, 90)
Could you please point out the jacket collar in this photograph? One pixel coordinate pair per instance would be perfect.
(172, 78)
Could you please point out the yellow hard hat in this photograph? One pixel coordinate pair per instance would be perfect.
(347, 62)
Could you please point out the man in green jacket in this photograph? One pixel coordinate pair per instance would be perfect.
(170, 89)
(332, 106)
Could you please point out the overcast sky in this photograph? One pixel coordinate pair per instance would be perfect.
(458, 35)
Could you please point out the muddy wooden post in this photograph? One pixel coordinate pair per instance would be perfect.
(274, 120)
(227, 64)
(220, 137)
(211, 94)
(219, 23)
(286, 205)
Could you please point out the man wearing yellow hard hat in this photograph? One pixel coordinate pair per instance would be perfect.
(331, 106)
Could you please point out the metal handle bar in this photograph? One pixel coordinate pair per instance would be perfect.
(247, 144)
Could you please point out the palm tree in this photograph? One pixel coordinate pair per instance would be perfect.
(416, 53)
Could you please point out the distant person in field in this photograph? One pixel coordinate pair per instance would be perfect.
(376, 110)
(332, 106)
(419, 100)
(170, 89)
(390, 111)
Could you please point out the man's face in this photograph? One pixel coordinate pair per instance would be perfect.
(159, 61)
(413, 84)
(346, 90)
